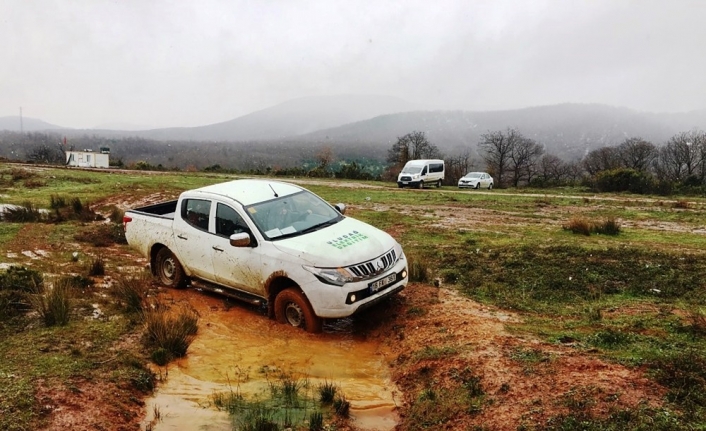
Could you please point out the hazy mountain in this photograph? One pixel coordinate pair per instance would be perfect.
(291, 118)
(567, 130)
(12, 123)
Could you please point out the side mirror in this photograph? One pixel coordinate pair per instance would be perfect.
(240, 239)
(341, 208)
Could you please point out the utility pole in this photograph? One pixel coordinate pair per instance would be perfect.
(22, 129)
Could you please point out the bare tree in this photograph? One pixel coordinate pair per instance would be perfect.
(683, 156)
(636, 153)
(523, 160)
(457, 166)
(601, 159)
(496, 150)
(412, 146)
(552, 170)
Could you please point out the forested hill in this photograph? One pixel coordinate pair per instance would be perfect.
(567, 130)
(343, 122)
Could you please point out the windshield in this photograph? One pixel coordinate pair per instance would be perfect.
(292, 215)
(411, 169)
(473, 175)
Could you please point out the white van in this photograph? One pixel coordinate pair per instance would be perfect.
(417, 173)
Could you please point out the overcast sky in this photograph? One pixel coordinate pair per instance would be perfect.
(186, 63)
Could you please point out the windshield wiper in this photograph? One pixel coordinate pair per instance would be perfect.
(321, 225)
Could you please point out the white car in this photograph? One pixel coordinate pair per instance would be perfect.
(476, 180)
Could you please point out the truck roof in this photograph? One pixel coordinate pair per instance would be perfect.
(249, 192)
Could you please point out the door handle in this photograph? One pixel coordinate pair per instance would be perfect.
(180, 236)
(217, 248)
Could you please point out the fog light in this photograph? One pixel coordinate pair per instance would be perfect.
(352, 298)
(404, 273)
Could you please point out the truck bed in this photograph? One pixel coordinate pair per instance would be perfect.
(162, 209)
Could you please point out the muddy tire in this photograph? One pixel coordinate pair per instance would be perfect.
(292, 308)
(168, 269)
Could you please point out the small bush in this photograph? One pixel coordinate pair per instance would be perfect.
(341, 406)
(26, 213)
(116, 216)
(18, 174)
(16, 286)
(611, 339)
(584, 227)
(170, 330)
(316, 421)
(57, 202)
(418, 270)
(327, 392)
(607, 227)
(681, 204)
(579, 226)
(97, 266)
(55, 305)
(130, 292)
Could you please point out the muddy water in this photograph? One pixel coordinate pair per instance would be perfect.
(238, 349)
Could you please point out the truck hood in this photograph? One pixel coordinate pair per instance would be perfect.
(348, 242)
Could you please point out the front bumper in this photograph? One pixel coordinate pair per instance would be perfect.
(343, 301)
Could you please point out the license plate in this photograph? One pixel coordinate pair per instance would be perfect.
(377, 285)
(405, 182)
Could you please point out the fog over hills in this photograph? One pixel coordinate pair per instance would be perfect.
(567, 130)
(13, 123)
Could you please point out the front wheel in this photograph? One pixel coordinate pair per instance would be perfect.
(420, 185)
(477, 186)
(169, 270)
(292, 307)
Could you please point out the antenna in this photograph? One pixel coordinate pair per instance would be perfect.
(273, 190)
(22, 129)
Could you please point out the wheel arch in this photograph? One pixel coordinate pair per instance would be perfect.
(153, 256)
(276, 283)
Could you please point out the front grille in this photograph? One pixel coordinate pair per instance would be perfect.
(375, 266)
(404, 178)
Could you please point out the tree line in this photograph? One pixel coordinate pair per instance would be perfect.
(514, 160)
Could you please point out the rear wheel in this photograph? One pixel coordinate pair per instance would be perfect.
(292, 307)
(490, 186)
(438, 184)
(169, 270)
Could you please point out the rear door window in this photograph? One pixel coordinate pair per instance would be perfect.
(196, 212)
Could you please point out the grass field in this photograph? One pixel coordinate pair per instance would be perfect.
(637, 297)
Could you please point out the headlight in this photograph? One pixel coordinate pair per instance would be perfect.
(335, 276)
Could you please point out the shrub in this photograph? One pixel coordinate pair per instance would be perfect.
(16, 284)
(624, 180)
(55, 305)
(26, 213)
(170, 330)
(316, 421)
(56, 202)
(130, 292)
(681, 204)
(417, 270)
(18, 174)
(341, 406)
(607, 227)
(579, 226)
(584, 227)
(97, 266)
(327, 392)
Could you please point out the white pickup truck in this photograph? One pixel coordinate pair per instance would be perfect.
(272, 244)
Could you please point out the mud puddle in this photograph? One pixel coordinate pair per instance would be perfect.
(239, 349)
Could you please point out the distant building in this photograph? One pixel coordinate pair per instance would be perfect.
(88, 158)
